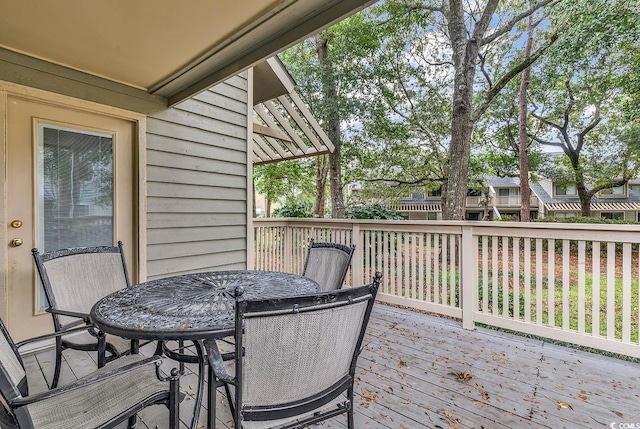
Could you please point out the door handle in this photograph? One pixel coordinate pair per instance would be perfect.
(16, 242)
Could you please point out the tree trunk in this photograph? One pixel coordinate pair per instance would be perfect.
(321, 186)
(583, 194)
(331, 125)
(267, 207)
(465, 54)
(525, 191)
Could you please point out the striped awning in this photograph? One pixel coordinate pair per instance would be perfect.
(283, 127)
(417, 207)
(599, 206)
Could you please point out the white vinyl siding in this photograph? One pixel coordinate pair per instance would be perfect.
(197, 183)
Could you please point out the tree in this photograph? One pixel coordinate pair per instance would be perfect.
(582, 93)
(471, 33)
(523, 138)
(331, 122)
(284, 181)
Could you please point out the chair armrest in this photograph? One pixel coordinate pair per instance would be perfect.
(216, 362)
(51, 335)
(76, 314)
(101, 375)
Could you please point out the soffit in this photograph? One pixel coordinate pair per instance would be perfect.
(163, 48)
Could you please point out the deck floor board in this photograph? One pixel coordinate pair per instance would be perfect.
(419, 371)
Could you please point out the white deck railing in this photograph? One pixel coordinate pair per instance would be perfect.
(574, 283)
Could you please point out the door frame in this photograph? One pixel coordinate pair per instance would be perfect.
(139, 187)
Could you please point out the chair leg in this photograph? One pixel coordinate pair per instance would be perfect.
(211, 398)
(58, 364)
(350, 424)
(102, 349)
(133, 421)
(174, 402)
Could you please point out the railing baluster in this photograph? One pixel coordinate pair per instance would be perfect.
(611, 290)
(539, 308)
(420, 273)
(527, 280)
(595, 285)
(516, 278)
(485, 274)
(505, 276)
(581, 285)
(428, 269)
(566, 271)
(444, 270)
(626, 292)
(494, 275)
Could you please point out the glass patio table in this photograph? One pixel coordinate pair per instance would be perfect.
(193, 307)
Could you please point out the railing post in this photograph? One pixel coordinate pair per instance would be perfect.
(356, 260)
(468, 274)
(288, 248)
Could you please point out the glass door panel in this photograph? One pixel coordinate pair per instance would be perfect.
(75, 188)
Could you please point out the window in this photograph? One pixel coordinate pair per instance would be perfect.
(434, 193)
(473, 216)
(434, 216)
(612, 215)
(565, 214)
(635, 188)
(618, 191)
(508, 192)
(566, 189)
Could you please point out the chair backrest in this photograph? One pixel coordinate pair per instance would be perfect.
(299, 353)
(13, 378)
(328, 264)
(75, 279)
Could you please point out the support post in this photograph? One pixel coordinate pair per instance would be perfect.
(468, 276)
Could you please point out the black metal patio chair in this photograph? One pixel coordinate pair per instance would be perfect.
(74, 279)
(299, 357)
(328, 264)
(102, 399)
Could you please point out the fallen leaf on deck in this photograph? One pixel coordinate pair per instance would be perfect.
(564, 405)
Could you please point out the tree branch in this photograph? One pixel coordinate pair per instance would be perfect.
(508, 26)
(493, 92)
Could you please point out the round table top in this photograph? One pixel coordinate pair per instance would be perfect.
(191, 306)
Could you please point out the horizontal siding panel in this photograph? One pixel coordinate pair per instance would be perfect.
(213, 125)
(185, 235)
(171, 175)
(197, 183)
(225, 99)
(185, 162)
(184, 205)
(175, 190)
(179, 220)
(215, 111)
(182, 250)
(166, 267)
(239, 81)
(157, 127)
(196, 149)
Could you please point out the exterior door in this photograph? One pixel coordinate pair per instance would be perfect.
(70, 182)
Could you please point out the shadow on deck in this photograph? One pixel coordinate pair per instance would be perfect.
(419, 371)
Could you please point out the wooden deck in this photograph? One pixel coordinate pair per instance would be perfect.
(419, 371)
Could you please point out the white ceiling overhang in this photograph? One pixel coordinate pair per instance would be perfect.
(284, 128)
(146, 55)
